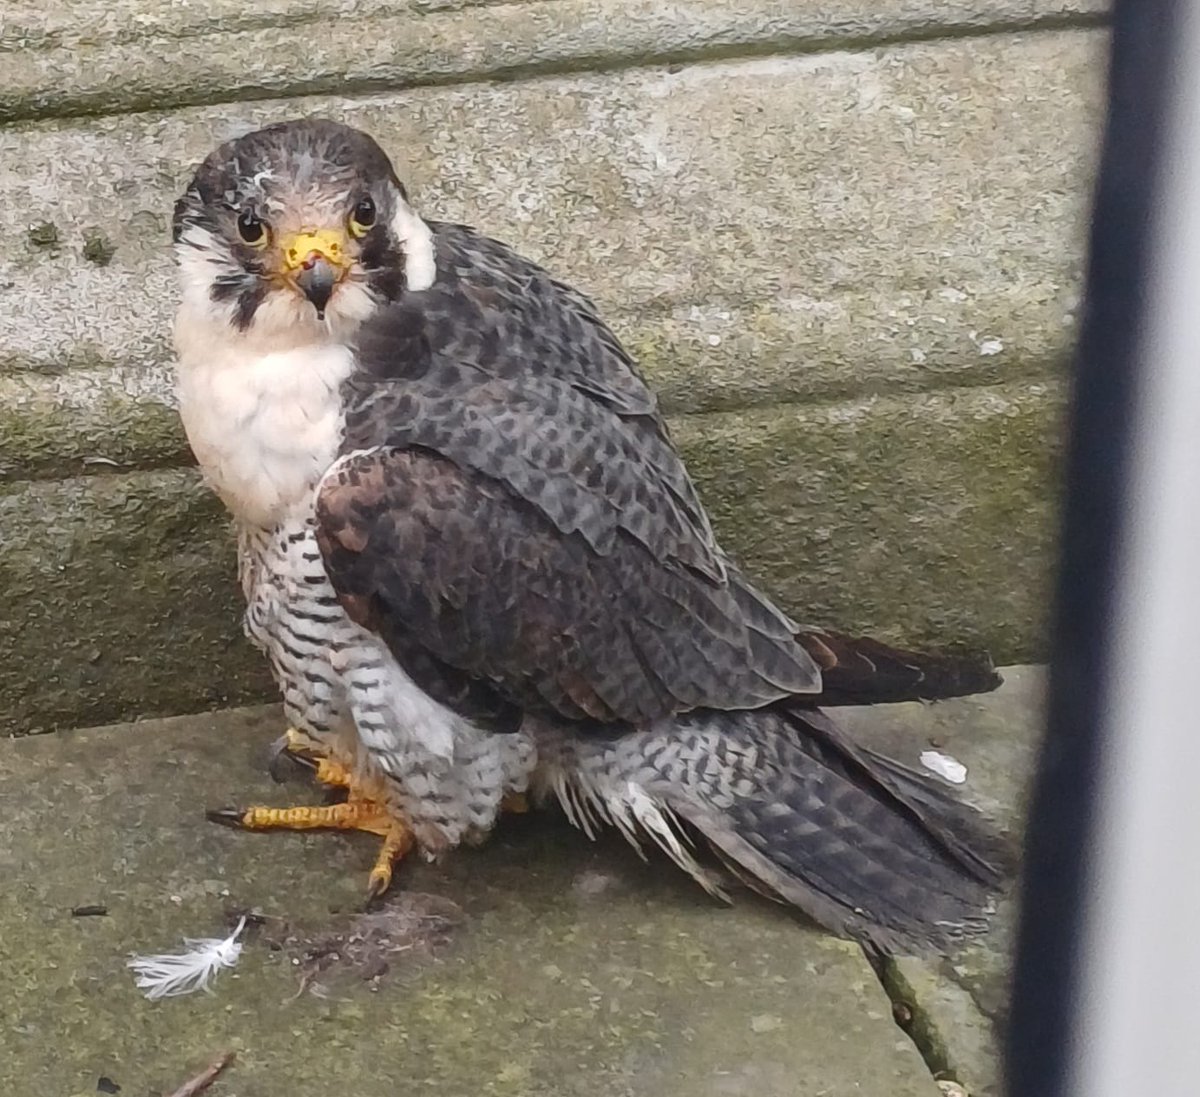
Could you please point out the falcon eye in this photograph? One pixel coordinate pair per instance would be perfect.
(362, 218)
(252, 230)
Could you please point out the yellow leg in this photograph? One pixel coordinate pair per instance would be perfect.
(515, 803)
(359, 812)
(327, 771)
(334, 774)
(396, 843)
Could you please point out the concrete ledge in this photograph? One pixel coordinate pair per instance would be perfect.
(88, 421)
(923, 520)
(577, 970)
(958, 1007)
(758, 232)
(55, 69)
(119, 599)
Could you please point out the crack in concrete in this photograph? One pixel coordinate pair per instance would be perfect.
(914, 1021)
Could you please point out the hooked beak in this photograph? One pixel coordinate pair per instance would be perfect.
(316, 280)
(316, 262)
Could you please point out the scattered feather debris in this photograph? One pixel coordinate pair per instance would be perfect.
(951, 769)
(166, 975)
(363, 947)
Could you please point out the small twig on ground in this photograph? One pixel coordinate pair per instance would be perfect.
(205, 1078)
(89, 910)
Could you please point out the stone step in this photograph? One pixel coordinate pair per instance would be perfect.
(958, 1008)
(92, 57)
(921, 519)
(758, 232)
(577, 971)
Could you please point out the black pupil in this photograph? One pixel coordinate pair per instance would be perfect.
(250, 227)
(364, 212)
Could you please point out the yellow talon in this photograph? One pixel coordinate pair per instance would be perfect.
(515, 803)
(362, 810)
(333, 773)
(397, 842)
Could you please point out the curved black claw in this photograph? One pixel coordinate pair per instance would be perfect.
(280, 759)
(227, 817)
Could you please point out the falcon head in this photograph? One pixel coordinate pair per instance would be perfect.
(298, 231)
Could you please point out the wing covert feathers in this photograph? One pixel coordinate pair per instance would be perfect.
(447, 560)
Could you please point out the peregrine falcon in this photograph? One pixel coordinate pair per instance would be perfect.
(479, 569)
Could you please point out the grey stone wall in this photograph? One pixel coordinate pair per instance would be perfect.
(844, 239)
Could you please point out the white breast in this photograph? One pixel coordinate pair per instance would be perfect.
(264, 425)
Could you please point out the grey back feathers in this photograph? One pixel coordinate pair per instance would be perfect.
(538, 529)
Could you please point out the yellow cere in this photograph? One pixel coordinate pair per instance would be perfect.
(327, 242)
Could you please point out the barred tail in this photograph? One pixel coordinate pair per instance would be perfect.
(858, 842)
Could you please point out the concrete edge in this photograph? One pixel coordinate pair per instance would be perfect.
(43, 30)
(119, 419)
(82, 422)
(505, 42)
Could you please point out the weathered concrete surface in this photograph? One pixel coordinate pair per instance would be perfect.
(850, 231)
(960, 1005)
(757, 232)
(919, 519)
(88, 421)
(59, 64)
(119, 598)
(923, 520)
(578, 970)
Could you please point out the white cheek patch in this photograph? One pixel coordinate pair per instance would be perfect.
(202, 259)
(420, 264)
